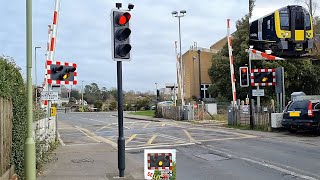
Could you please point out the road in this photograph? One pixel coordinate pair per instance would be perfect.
(203, 152)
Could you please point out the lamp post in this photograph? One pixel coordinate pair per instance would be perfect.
(194, 77)
(35, 71)
(179, 15)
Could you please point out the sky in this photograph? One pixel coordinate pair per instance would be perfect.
(84, 36)
(263, 7)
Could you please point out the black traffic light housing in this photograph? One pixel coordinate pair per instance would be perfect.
(62, 72)
(120, 35)
(244, 76)
(263, 77)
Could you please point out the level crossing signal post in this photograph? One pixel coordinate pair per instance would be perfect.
(121, 51)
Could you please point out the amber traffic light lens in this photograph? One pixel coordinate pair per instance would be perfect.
(265, 79)
(244, 70)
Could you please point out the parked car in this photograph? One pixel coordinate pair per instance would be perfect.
(165, 103)
(302, 115)
(153, 107)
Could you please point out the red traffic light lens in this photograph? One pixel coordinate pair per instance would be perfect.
(244, 70)
(124, 18)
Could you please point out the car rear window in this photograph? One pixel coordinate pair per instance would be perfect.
(298, 106)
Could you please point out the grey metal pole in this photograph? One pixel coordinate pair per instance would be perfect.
(82, 94)
(283, 90)
(29, 150)
(200, 97)
(35, 72)
(182, 66)
(250, 95)
(258, 100)
(281, 102)
(121, 140)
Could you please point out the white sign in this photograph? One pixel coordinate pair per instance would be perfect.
(49, 95)
(257, 92)
(159, 163)
(245, 109)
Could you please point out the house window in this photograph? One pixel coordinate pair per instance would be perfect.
(204, 91)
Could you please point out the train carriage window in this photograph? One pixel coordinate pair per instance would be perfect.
(307, 22)
(268, 24)
(300, 21)
(284, 21)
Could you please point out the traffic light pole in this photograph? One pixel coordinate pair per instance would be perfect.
(250, 94)
(121, 140)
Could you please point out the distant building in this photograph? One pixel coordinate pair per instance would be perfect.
(190, 64)
(79, 102)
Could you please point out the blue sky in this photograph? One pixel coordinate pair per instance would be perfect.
(84, 36)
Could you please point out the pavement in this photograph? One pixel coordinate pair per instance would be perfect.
(203, 151)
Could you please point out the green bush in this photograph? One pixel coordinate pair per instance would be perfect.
(12, 87)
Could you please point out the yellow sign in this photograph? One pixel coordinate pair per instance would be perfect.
(53, 111)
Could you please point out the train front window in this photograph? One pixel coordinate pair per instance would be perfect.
(307, 22)
(284, 21)
(300, 21)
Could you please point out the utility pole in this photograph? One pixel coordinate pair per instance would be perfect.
(29, 150)
(194, 77)
(310, 4)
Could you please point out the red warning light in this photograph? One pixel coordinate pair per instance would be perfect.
(244, 70)
(124, 18)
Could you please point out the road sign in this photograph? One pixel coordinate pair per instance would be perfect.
(257, 92)
(245, 109)
(53, 111)
(49, 95)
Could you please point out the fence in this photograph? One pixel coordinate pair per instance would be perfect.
(170, 112)
(261, 116)
(6, 117)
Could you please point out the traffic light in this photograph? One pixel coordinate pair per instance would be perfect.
(121, 35)
(62, 72)
(263, 77)
(244, 76)
(160, 161)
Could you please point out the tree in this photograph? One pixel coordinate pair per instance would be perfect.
(75, 93)
(98, 104)
(251, 5)
(307, 3)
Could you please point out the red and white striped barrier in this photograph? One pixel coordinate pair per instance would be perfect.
(263, 70)
(261, 55)
(233, 79)
(59, 82)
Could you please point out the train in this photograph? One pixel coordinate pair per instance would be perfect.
(287, 31)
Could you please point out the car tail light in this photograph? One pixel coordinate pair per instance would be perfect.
(310, 112)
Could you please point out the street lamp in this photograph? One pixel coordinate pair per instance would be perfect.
(35, 71)
(179, 15)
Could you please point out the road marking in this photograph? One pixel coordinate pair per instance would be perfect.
(157, 146)
(163, 124)
(145, 126)
(131, 138)
(95, 137)
(263, 163)
(151, 139)
(189, 136)
(103, 127)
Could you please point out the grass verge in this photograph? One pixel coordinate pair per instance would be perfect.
(149, 113)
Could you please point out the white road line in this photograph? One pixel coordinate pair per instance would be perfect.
(263, 163)
(158, 146)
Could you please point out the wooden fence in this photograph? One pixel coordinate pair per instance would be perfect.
(6, 117)
(261, 117)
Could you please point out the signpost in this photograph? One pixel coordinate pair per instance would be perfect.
(258, 92)
(49, 95)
